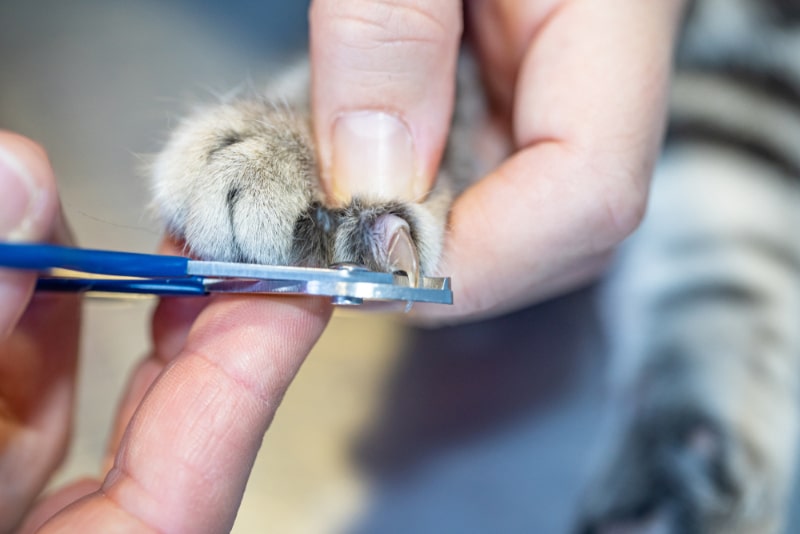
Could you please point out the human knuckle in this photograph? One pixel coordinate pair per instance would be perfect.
(375, 23)
(619, 183)
(625, 202)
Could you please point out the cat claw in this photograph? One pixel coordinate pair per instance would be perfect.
(402, 254)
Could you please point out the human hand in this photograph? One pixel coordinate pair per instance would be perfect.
(578, 89)
(195, 411)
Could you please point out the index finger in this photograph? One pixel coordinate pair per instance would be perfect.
(184, 460)
(589, 98)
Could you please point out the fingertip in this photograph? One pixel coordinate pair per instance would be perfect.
(373, 156)
(300, 319)
(172, 246)
(28, 190)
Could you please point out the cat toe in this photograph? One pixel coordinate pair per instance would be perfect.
(678, 473)
(238, 182)
(388, 237)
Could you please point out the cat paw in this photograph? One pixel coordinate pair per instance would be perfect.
(234, 180)
(239, 182)
(682, 473)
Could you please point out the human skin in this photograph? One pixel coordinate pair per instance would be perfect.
(195, 411)
(578, 89)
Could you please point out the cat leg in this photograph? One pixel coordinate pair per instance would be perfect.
(703, 312)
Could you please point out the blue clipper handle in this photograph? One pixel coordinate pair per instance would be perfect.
(181, 287)
(40, 257)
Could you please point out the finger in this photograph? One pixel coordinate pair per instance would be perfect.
(589, 108)
(500, 32)
(185, 457)
(383, 78)
(38, 348)
(172, 321)
(170, 326)
(30, 201)
(56, 501)
(37, 376)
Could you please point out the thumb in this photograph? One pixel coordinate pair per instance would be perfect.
(27, 190)
(28, 207)
(383, 82)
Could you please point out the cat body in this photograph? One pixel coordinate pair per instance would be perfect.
(702, 305)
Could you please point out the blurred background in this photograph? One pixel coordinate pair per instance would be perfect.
(385, 429)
